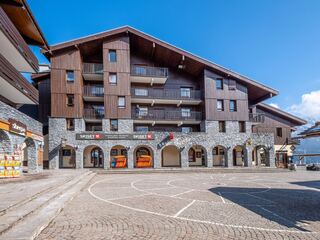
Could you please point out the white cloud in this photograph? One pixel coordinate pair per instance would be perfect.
(275, 105)
(309, 107)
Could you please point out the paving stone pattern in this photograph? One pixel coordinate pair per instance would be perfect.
(280, 205)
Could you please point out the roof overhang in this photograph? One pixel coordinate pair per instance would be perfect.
(171, 55)
(282, 114)
(20, 14)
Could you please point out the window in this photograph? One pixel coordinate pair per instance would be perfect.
(185, 92)
(70, 100)
(219, 84)
(232, 85)
(70, 124)
(70, 75)
(186, 112)
(220, 105)
(141, 92)
(114, 125)
(279, 132)
(233, 106)
(222, 126)
(112, 55)
(66, 152)
(113, 78)
(242, 126)
(142, 128)
(121, 102)
(143, 111)
(186, 129)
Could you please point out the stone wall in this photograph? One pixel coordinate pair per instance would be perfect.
(7, 112)
(209, 139)
(14, 141)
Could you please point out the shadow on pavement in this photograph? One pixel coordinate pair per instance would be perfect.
(292, 208)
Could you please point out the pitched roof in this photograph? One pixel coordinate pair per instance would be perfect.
(312, 131)
(294, 119)
(260, 90)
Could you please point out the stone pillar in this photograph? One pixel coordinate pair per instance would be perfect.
(230, 158)
(209, 158)
(79, 158)
(184, 158)
(106, 159)
(157, 158)
(130, 159)
(272, 160)
(248, 157)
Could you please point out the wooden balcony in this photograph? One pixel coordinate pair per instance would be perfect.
(148, 75)
(92, 71)
(166, 96)
(93, 115)
(93, 93)
(166, 117)
(256, 118)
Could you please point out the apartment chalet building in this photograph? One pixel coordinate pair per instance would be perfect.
(124, 99)
(20, 135)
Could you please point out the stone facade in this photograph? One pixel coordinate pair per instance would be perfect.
(13, 141)
(208, 139)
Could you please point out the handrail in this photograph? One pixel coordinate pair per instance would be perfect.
(93, 68)
(93, 90)
(147, 71)
(166, 93)
(152, 114)
(91, 113)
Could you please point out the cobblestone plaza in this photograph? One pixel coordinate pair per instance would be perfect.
(190, 205)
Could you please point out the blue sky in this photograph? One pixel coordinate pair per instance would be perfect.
(276, 42)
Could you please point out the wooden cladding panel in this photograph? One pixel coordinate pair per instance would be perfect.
(122, 68)
(212, 94)
(270, 125)
(112, 110)
(68, 60)
(60, 87)
(122, 87)
(59, 83)
(59, 106)
(242, 113)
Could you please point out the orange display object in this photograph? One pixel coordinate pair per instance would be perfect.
(119, 162)
(144, 161)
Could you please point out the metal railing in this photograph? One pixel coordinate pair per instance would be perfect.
(93, 68)
(256, 117)
(146, 71)
(93, 90)
(181, 94)
(90, 113)
(166, 115)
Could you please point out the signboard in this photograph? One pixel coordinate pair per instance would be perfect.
(163, 142)
(17, 127)
(108, 136)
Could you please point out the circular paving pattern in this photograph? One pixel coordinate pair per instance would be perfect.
(196, 206)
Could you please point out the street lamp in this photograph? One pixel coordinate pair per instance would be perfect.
(63, 142)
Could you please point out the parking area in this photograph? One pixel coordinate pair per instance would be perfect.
(280, 205)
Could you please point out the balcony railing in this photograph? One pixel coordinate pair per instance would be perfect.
(93, 91)
(146, 71)
(170, 115)
(180, 94)
(93, 68)
(256, 117)
(90, 113)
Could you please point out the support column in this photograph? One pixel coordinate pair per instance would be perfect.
(184, 158)
(271, 155)
(106, 159)
(229, 158)
(157, 158)
(248, 157)
(130, 159)
(79, 159)
(209, 158)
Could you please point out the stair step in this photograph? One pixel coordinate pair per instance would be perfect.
(16, 216)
